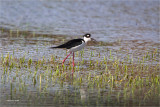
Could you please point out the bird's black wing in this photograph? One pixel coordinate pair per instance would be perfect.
(70, 44)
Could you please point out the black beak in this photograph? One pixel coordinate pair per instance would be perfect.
(93, 40)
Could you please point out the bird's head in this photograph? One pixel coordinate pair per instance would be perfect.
(87, 37)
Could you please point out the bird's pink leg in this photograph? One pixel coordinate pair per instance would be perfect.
(66, 58)
(73, 63)
(73, 59)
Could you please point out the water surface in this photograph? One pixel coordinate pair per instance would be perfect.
(124, 30)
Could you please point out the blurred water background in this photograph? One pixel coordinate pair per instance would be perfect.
(127, 28)
(129, 19)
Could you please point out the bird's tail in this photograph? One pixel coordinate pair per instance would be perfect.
(60, 46)
(53, 47)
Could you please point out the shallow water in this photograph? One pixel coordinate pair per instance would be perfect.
(106, 20)
(28, 28)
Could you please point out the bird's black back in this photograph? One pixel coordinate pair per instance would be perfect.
(70, 44)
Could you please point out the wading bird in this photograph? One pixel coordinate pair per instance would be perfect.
(75, 45)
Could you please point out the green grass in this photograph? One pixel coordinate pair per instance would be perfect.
(132, 80)
(105, 78)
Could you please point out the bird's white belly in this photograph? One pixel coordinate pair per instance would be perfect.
(77, 48)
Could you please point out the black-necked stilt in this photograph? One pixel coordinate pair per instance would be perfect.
(75, 45)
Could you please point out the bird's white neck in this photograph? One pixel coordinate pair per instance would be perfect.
(86, 39)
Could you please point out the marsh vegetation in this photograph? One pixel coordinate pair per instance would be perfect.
(103, 75)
